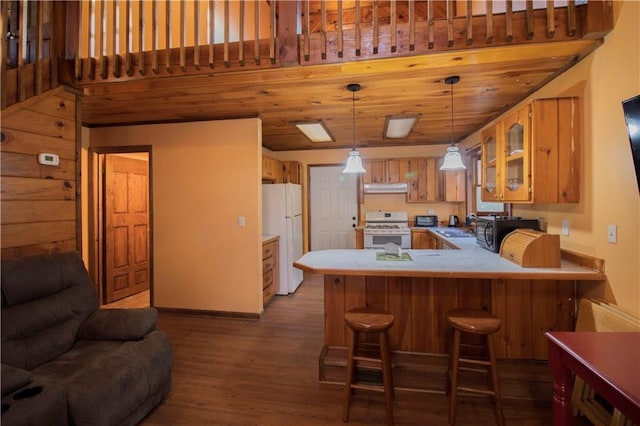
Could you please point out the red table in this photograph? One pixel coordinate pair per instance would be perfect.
(608, 362)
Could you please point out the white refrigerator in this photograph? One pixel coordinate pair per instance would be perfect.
(282, 215)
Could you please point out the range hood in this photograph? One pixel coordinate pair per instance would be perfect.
(386, 188)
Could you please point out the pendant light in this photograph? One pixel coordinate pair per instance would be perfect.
(354, 162)
(452, 159)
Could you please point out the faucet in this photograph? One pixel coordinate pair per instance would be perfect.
(469, 218)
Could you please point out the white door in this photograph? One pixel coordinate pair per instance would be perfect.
(333, 207)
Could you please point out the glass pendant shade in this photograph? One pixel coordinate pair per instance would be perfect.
(354, 163)
(452, 159)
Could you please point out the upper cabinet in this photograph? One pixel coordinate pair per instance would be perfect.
(532, 155)
(423, 180)
(386, 171)
(271, 169)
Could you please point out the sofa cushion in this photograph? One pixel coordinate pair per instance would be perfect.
(13, 378)
(119, 324)
(44, 301)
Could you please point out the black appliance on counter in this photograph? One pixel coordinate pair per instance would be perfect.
(491, 230)
(422, 221)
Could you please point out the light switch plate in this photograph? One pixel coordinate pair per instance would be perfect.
(612, 234)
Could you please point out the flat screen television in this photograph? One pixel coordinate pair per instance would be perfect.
(631, 108)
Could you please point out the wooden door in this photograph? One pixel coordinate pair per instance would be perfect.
(126, 227)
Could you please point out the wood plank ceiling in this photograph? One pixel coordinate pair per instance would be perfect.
(492, 79)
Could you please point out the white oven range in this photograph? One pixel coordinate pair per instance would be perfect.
(386, 227)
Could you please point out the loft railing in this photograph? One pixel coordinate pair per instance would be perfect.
(88, 42)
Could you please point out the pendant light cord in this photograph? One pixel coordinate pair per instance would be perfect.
(452, 115)
(353, 111)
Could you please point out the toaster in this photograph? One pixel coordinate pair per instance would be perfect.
(424, 221)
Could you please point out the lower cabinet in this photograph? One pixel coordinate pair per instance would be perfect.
(424, 239)
(270, 273)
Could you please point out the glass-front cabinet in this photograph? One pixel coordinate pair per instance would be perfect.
(516, 177)
(532, 154)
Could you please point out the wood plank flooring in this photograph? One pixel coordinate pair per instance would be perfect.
(231, 371)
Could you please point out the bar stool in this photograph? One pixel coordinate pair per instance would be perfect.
(479, 322)
(375, 321)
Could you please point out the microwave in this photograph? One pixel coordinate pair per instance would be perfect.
(491, 230)
(426, 221)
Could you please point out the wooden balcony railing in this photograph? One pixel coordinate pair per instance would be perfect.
(88, 42)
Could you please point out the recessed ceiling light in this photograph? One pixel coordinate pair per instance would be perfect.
(315, 131)
(399, 126)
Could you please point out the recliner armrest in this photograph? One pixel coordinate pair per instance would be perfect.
(119, 324)
(14, 378)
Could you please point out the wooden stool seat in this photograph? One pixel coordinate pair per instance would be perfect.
(479, 322)
(474, 321)
(373, 321)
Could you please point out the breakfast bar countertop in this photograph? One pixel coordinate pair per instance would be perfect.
(471, 261)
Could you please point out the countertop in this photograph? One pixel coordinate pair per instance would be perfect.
(470, 261)
(267, 238)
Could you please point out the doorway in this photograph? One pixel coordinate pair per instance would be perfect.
(120, 225)
(333, 207)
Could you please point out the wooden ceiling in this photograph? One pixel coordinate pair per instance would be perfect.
(491, 81)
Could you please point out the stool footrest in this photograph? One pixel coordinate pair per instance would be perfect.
(376, 388)
(474, 361)
(474, 390)
(366, 359)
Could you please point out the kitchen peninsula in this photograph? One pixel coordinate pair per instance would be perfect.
(419, 292)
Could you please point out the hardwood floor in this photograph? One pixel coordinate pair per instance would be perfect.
(231, 371)
(139, 300)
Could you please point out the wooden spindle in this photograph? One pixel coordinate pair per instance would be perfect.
(394, 26)
(241, 34)
(128, 59)
(167, 32)
(529, 19)
(196, 35)
(141, 34)
(114, 34)
(39, 37)
(226, 34)
(489, 20)
(104, 64)
(155, 67)
(412, 25)
(450, 23)
(340, 32)
(375, 27)
(274, 34)
(430, 24)
(323, 29)
(306, 30)
(357, 28)
(22, 45)
(509, 20)
(256, 31)
(183, 35)
(571, 18)
(469, 22)
(3, 52)
(551, 19)
(212, 32)
(78, 59)
(91, 48)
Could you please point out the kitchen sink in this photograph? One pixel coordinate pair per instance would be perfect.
(456, 233)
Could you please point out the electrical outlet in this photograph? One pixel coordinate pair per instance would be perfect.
(565, 227)
(240, 221)
(612, 234)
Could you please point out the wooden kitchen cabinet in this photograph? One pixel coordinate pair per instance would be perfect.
(271, 169)
(270, 270)
(452, 184)
(423, 180)
(386, 171)
(423, 239)
(291, 172)
(532, 155)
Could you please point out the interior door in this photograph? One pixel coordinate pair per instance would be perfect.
(333, 203)
(126, 226)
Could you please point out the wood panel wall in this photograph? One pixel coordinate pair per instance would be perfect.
(39, 203)
(526, 308)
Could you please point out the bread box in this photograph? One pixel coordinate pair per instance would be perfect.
(531, 249)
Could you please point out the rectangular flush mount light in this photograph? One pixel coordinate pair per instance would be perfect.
(315, 131)
(399, 126)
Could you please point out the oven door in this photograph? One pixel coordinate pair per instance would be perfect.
(376, 240)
